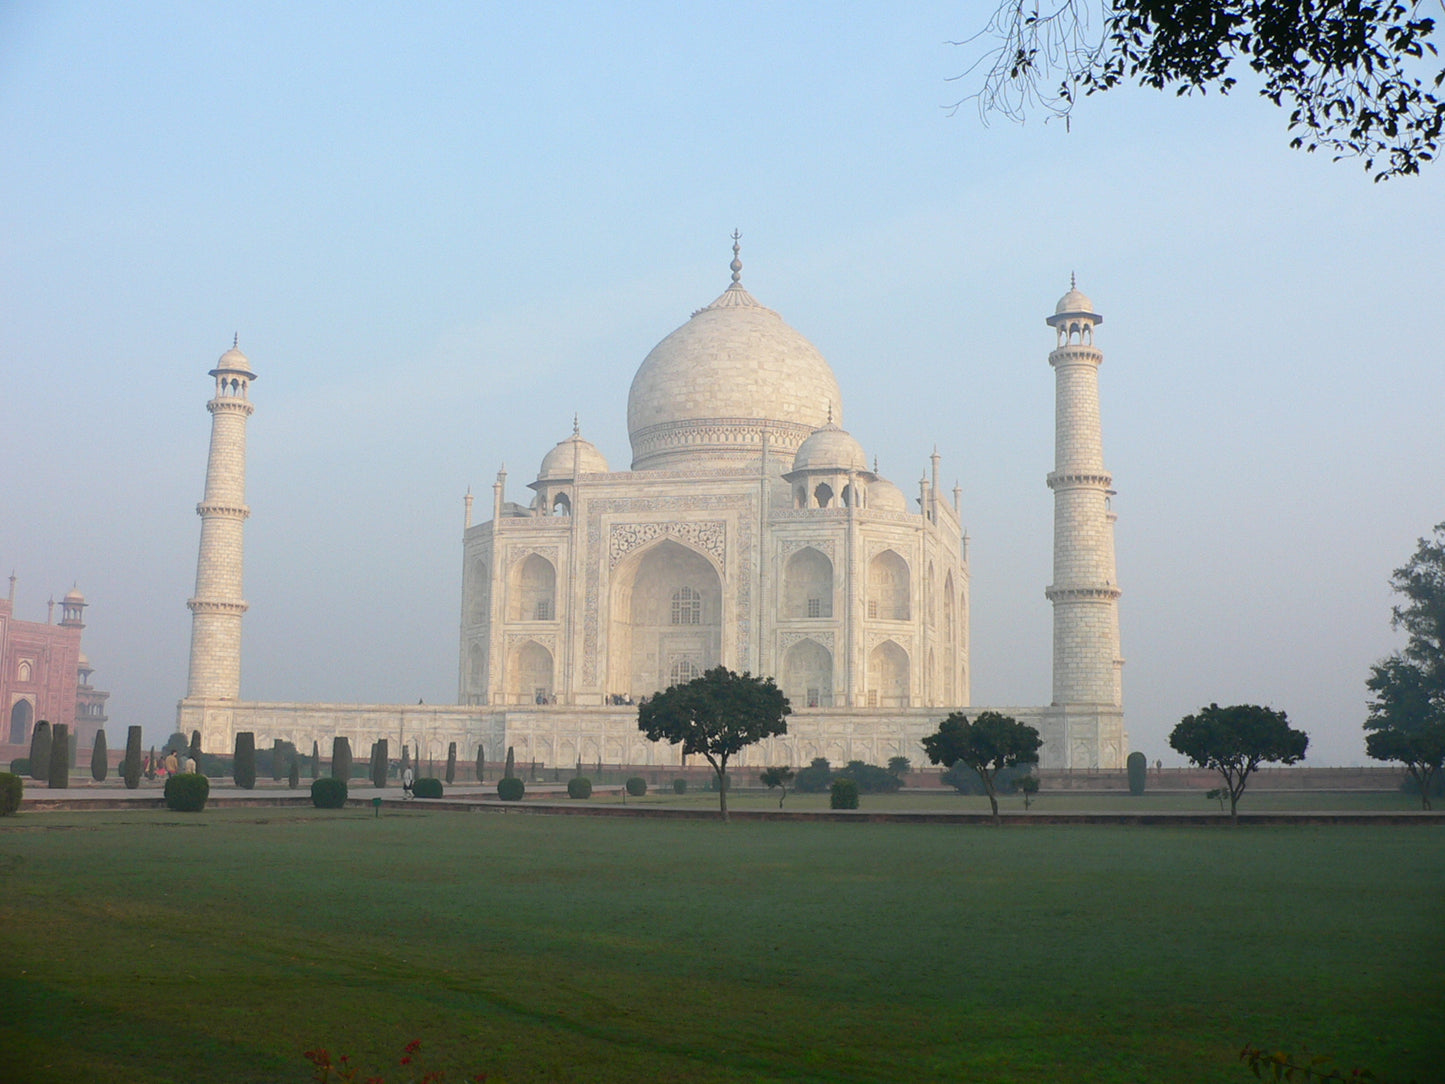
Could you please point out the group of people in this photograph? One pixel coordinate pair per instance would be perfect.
(618, 700)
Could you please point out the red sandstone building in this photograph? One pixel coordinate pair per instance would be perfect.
(44, 675)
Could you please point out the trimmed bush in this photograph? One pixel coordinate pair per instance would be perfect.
(40, 752)
(293, 780)
(511, 789)
(243, 764)
(341, 758)
(844, 794)
(679, 786)
(315, 760)
(130, 767)
(186, 792)
(99, 758)
(328, 793)
(276, 760)
(1138, 765)
(481, 762)
(872, 779)
(511, 769)
(59, 757)
(815, 778)
(195, 750)
(380, 761)
(451, 763)
(427, 787)
(151, 764)
(579, 786)
(20, 766)
(637, 786)
(12, 789)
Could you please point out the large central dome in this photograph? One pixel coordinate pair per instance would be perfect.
(707, 393)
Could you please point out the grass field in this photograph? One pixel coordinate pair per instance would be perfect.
(149, 946)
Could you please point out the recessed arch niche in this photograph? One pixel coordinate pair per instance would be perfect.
(666, 618)
(533, 590)
(808, 585)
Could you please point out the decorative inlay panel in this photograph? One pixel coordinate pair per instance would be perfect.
(789, 546)
(546, 639)
(792, 636)
(521, 551)
(709, 536)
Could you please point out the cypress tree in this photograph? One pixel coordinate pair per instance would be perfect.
(151, 764)
(99, 758)
(511, 771)
(315, 759)
(40, 752)
(243, 765)
(379, 757)
(481, 762)
(60, 757)
(294, 780)
(405, 757)
(130, 767)
(195, 752)
(276, 759)
(451, 763)
(340, 758)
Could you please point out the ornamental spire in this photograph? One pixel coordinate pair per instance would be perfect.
(737, 264)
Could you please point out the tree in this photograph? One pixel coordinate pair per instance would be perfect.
(510, 771)
(717, 715)
(777, 777)
(481, 762)
(989, 744)
(243, 760)
(1028, 786)
(1234, 741)
(1358, 75)
(1407, 708)
(99, 758)
(195, 753)
(899, 767)
(176, 744)
(451, 763)
(315, 759)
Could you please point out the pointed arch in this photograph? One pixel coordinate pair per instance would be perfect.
(530, 674)
(666, 580)
(888, 676)
(808, 675)
(533, 590)
(22, 715)
(888, 587)
(807, 585)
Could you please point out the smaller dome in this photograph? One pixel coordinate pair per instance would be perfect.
(74, 595)
(233, 361)
(884, 496)
(558, 463)
(830, 448)
(1073, 304)
(82, 663)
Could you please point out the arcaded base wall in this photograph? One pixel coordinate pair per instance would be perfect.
(559, 736)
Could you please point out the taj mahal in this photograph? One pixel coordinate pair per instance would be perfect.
(749, 531)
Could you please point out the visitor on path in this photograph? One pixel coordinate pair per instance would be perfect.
(406, 781)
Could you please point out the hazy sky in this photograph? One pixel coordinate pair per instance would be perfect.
(440, 232)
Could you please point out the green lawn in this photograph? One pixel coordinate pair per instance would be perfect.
(150, 946)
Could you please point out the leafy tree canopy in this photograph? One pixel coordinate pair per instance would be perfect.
(1407, 703)
(991, 743)
(716, 715)
(1236, 740)
(1360, 77)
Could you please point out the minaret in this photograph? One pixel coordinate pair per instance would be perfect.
(217, 607)
(1085, 593)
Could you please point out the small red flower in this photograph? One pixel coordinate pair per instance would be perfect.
(406, 1060)
(413, 1046)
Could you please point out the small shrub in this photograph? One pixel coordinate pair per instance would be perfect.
(427, 787)
(579, 786)
(327, 793)
(815, 778)
(481, 762)
(294, 779)
(716, 784)
(243, 765)
(20, 766)
(186, 792)
(151, 764)
(511, 789)
(451, 763)
(130, 768)
(12, 789)
(277, 759)
(636, 786)
(872, 779)
(679, 786)
(380, 761)
(1138, 766)
(844, 794)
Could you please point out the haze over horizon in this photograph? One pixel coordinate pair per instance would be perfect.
(441, 233)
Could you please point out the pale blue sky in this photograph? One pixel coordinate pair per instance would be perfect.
(441, 232)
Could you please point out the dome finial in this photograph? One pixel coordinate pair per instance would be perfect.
(737, 264)
(236, 341)
(1072, 284)
(830, 412)
(576, 426)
